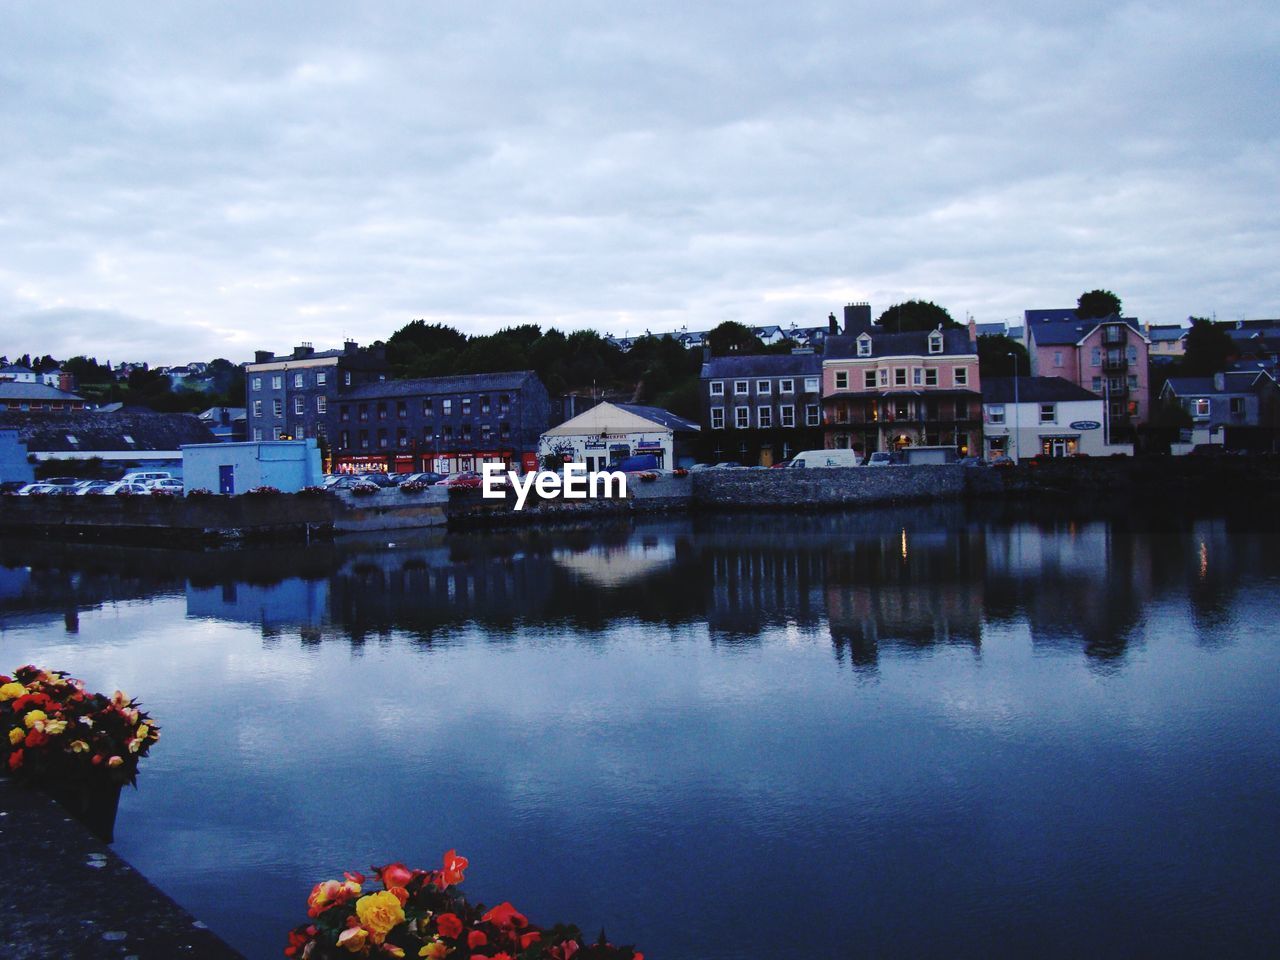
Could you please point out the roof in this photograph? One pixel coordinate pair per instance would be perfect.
(620, 418)
(1064, 332)
(914, 343)
(10, 390)
(1166, 333)
(14, 368)
(1241, 381)
(762, 365)
(1000, 328)
(461, 383)
(106, 431)
(1033, 390)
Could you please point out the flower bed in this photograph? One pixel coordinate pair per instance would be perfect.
(420, 913)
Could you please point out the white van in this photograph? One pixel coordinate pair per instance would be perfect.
(827, 458)
(141, 476)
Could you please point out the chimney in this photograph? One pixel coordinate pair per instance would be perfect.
(350, 347)
(833, 328)
(973, 330)
(303, 350)
(857, 318)
(263, 356)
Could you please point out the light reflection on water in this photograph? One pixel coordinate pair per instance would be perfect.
(915, 733)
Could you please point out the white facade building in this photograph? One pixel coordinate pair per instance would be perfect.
(1025, 417)
(609, 433)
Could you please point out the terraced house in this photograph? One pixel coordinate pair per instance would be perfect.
(760, 410)
(886, 391)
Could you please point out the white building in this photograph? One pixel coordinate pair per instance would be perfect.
(1024, 417)
(609, 433)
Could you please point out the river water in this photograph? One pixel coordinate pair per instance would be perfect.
(931, 732)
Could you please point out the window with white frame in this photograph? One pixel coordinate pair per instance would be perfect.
(931, 377)
(995, 413)
(277, 408)
(257, 434)
(299, 406)
(962, 376)
(1048, 413)
(864, 346)
(884, 376)
(257, 383)
(446, 407)
(787, 414)
(346, 378)
(1057, 358)
(321, 378)
(812, 415)
(1200, 408)
(935, 342)
(257, 408)
(277, 383)
(275, 433)
(917, 376)
(717, 388)
(297, 380)
(717, 418)
(786, 386)
(764, 417)
(741, 388)
(900, 376)
(842, 379)
(1095, 357)
(742, 417)
(868, 379)
(812, 385)
(322, 405)
(763, 387)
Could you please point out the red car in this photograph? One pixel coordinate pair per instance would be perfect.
(467, 480)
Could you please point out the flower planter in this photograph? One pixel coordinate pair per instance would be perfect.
(94, 802)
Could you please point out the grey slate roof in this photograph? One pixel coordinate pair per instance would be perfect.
(461, 383)
(1232, 382)
(914, 343)
(1166, 333)
(35, 391)
(1063, 332)
(762, 365)
(106, 431)
(658, 415)
(1033, 390)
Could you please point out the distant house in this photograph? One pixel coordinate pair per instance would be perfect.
(17, 374)
(1238, 410)
(29, 396)
(124, 440)
(610, 433)
(1168, 341)
(1044, 416)
(225, 423)
(760, 410)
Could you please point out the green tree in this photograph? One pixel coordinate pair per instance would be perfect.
(1209, 349)
(994, 359)
(915, 315)
(1097, 304)
(733, 337)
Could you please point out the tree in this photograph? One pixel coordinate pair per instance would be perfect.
(915, 315)
(1209, 349)
(1097, 304)
(994, 359)
(732, 337)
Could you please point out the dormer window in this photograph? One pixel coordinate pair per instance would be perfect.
(935, 341)
(864, 345)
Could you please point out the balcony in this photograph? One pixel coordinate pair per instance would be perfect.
(1115, 362)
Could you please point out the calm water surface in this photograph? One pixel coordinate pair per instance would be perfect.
(927, 733)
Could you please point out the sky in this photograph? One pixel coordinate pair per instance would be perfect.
(189, 180)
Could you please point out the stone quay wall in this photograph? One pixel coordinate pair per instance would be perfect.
(826, 488)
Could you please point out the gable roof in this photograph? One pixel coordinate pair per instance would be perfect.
(1033, 390)
(13, 390)
(1054, 333)
(620, 418)
(762, 365)
(913, 343)
(1166, 333)
(1233, 381)
(460, 383)
(657, 415)
(98, 432)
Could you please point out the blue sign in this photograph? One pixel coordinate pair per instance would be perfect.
(1086, 425)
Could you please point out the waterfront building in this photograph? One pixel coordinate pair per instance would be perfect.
(29, 396)
(121, 441)
(294, 396)
(1044, 416)
(441, 424)
(1237, 410)
(231, 468)
(888, 391)
(1106, 356)
(609, 433)
(761, 410)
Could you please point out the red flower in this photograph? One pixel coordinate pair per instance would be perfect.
(449, 925)
(33, 700)
(36, 739)
(454, 865)
(533, 936)
(15, 760)
(565, 951)
(393, 875)
(506, 916)
(476, 938)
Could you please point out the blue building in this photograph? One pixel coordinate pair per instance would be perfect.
(232, 468)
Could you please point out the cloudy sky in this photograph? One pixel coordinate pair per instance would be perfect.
(181, 181)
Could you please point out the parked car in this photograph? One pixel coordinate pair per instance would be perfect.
(65, 484)
(39, 490)
(125, 488)
(171, 485)
(381, 479)
(348, 481)
(92, 488)
(826, 458)
(971, 462)
(880, 458)
(467, 480)
(428, 478)
(141, 476)
(727, 465)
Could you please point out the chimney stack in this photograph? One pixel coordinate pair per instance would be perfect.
(263, 356)
(857, 318)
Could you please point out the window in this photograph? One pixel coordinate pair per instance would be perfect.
(257, 408)
(364, 439)
(1048, 413)
(383, 440)
(299, 406)
(842, 379)
(322, 405)
(257, 434)
(257, 383)
(1095, 357)
(717, 418)
(466, 406)
(764, 417)
(995, 413)
(402, 437)
(297, 380)
(812, 416)
(864, 346)
(917, 376)
(740, 388)
(786, 386)
(869, 379)
(1133, 381)
(1132, 354)
(1237, 406)
(275, 433)
(900, 377)
(935, 342)
(931, 378)
(486, 432)
(504, 403)
(742, 417)
(448, 431)
(446, 407)
(427, 410)
(364, 412)
(277, 408)
(787, 415)
(763, 387)
(322, 378)
(320, 430)
(402, 409)
(1097, 384)
(277, 383)
(484, 403)
(1200, 408)
(717, 388)
(1057, 358)
(811, 385)
(344, 439)
(884, 376)
(962, 376)
(504, 430)
(346, 378)
(466, 431)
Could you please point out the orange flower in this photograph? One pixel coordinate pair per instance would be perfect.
(506, 916)
(454, 865)
(330, 893)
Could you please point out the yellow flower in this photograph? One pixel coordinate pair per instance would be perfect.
(16, 736)
(54, 727)
(353, 939)
(380, 913)
(115, 761)
(435, 950)
(33, 717)
(78, 746)
(11, 691)
(143, 730)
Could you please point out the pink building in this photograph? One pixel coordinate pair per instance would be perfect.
(1106, 356)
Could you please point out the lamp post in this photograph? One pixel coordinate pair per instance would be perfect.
(1015, 405)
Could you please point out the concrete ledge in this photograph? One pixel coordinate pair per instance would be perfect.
(66, 894)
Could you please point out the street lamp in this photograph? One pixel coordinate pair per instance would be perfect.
(1014, 444)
